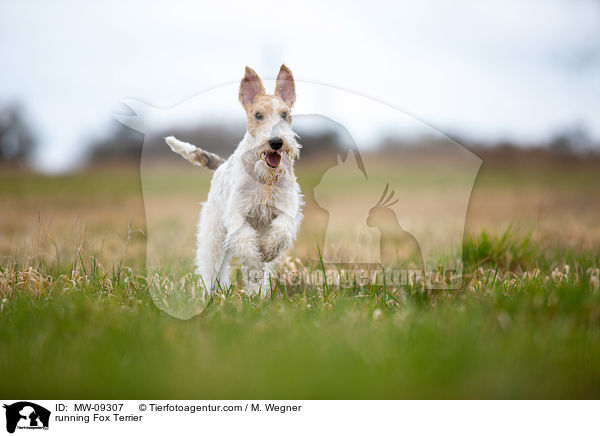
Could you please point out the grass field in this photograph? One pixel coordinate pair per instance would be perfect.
(77, 320)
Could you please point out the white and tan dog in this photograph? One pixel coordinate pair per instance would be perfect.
(254, 206)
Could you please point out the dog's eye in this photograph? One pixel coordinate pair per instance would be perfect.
(258, 116)
(284, 115)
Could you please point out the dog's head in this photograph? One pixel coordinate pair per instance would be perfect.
(269, 121)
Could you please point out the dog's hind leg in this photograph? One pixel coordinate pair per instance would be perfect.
(211, 254)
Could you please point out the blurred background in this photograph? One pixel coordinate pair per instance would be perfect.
(509, 73)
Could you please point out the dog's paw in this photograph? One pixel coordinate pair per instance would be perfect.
(245, 241)
(272, 251)
(278, 240)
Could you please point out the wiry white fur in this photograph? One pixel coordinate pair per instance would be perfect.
(179, 146)
(253, 211)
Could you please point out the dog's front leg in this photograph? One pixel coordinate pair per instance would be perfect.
(244, 242)
(278, 238)
(245, 246)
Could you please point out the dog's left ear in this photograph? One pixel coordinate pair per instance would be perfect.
(285, 88)
(250, 87)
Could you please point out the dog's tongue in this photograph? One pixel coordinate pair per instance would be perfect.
(273, 159)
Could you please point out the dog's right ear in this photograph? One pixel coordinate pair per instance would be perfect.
(250, 87)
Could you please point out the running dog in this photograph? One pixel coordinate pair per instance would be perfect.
(254, 206)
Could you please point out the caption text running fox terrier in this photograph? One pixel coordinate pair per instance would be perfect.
(254, 206)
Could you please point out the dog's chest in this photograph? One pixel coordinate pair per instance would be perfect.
(261, 216)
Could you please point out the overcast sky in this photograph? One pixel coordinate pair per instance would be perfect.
(505, 70)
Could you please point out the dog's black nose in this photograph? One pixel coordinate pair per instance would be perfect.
(276, 143)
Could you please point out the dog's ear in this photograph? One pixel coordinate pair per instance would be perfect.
(285, 88)
(250, 87)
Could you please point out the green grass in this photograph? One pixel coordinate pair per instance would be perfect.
(101, 336)
(506, 251)
(83, 324)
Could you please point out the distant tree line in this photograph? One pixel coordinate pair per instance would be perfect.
(122, 144)
(17, 141)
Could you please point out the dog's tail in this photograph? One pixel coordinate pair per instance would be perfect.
(195, 155)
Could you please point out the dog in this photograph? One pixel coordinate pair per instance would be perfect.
(254, 206)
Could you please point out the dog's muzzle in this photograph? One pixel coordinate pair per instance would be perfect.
(273, 156)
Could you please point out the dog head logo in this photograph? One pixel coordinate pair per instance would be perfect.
(26, 415)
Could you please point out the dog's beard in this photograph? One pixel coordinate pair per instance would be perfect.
(262, 162)
(286, 154)
(274, 158)
(265, 164)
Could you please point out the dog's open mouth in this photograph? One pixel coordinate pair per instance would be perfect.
(273, 158)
